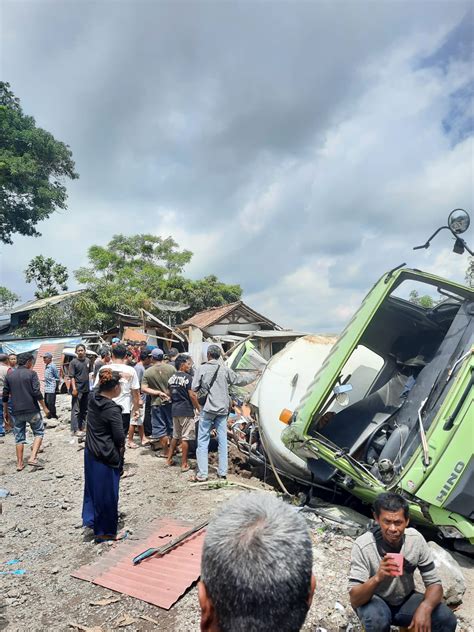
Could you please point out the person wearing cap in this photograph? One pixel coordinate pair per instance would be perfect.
(155, 383)
(115, 342)
(212, 380)
(51, 380)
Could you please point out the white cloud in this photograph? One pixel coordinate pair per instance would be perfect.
(298, 165)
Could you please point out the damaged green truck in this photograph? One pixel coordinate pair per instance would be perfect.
(392, 406)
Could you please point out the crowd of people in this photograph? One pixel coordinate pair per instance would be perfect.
(257, 560)
(154, 394)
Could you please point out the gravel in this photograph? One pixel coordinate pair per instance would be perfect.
(41, 527)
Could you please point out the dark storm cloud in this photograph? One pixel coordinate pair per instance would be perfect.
(264, 135)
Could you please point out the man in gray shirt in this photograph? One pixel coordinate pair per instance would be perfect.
(214, 378)
(382, 591)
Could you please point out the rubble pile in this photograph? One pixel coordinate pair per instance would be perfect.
(41, 533)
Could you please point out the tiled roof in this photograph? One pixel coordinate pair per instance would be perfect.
(211, 316)
(157, 580)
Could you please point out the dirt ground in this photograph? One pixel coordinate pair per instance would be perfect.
(41, 527)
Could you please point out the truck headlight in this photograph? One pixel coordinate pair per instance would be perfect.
(451, 532)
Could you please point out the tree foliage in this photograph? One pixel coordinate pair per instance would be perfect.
(33, 166)
(7, 298)
(50, 277)
(65, 319)
(470, 272)
(423, 301)
(131, 272)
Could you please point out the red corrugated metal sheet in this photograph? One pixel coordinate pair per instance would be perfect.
(160, 581)
(56, 350)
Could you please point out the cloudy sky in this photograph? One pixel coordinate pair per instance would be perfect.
(297, 148)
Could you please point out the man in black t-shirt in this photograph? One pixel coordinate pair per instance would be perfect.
(79, 374)
(184, 402)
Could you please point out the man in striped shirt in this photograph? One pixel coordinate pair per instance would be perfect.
(51, 379)
(381, 583)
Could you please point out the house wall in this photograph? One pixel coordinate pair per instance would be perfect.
(224, 328)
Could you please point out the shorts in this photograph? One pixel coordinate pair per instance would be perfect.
(184, 428)
(161, 421)
(136, 422)
(19, 426)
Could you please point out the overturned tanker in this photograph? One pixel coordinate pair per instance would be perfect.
(402, 420)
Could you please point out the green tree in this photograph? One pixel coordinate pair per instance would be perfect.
(7, 298)
(33, 166)
(131, 272)
(72, 316)
(199, 295)
(470, 272)
(50, 277)
(423, 301)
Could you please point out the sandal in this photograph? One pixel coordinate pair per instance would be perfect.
(19, 469)
(111, 538)
(185, 469)
(36, 466)
(132, 446)
(198, 479)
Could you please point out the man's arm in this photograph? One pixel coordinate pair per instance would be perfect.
(241, 380)
(135, 403)
(116, 427)
(421, 621)
(37, 394)
(72, 375)
(5, 398)
(361, 594)
(194, 400)
(151, 391)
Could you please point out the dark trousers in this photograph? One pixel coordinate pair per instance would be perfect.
(50, 401)
(126, 423)
(79, 411)
(101, 496)
(377, 615)
(147, 417)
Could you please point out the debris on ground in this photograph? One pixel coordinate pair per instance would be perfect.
(57, 545)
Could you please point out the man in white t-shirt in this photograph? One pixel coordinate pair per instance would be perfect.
(129, 398)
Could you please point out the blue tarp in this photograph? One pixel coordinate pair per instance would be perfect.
(24, 346)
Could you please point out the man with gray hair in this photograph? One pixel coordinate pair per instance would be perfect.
(256, 568)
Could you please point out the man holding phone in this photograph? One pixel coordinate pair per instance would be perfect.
(381, 584)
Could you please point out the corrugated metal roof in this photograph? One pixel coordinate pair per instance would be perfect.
(160, 581)
(42, 302)
(211, 316)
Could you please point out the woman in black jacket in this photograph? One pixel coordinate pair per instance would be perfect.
(103, 453)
